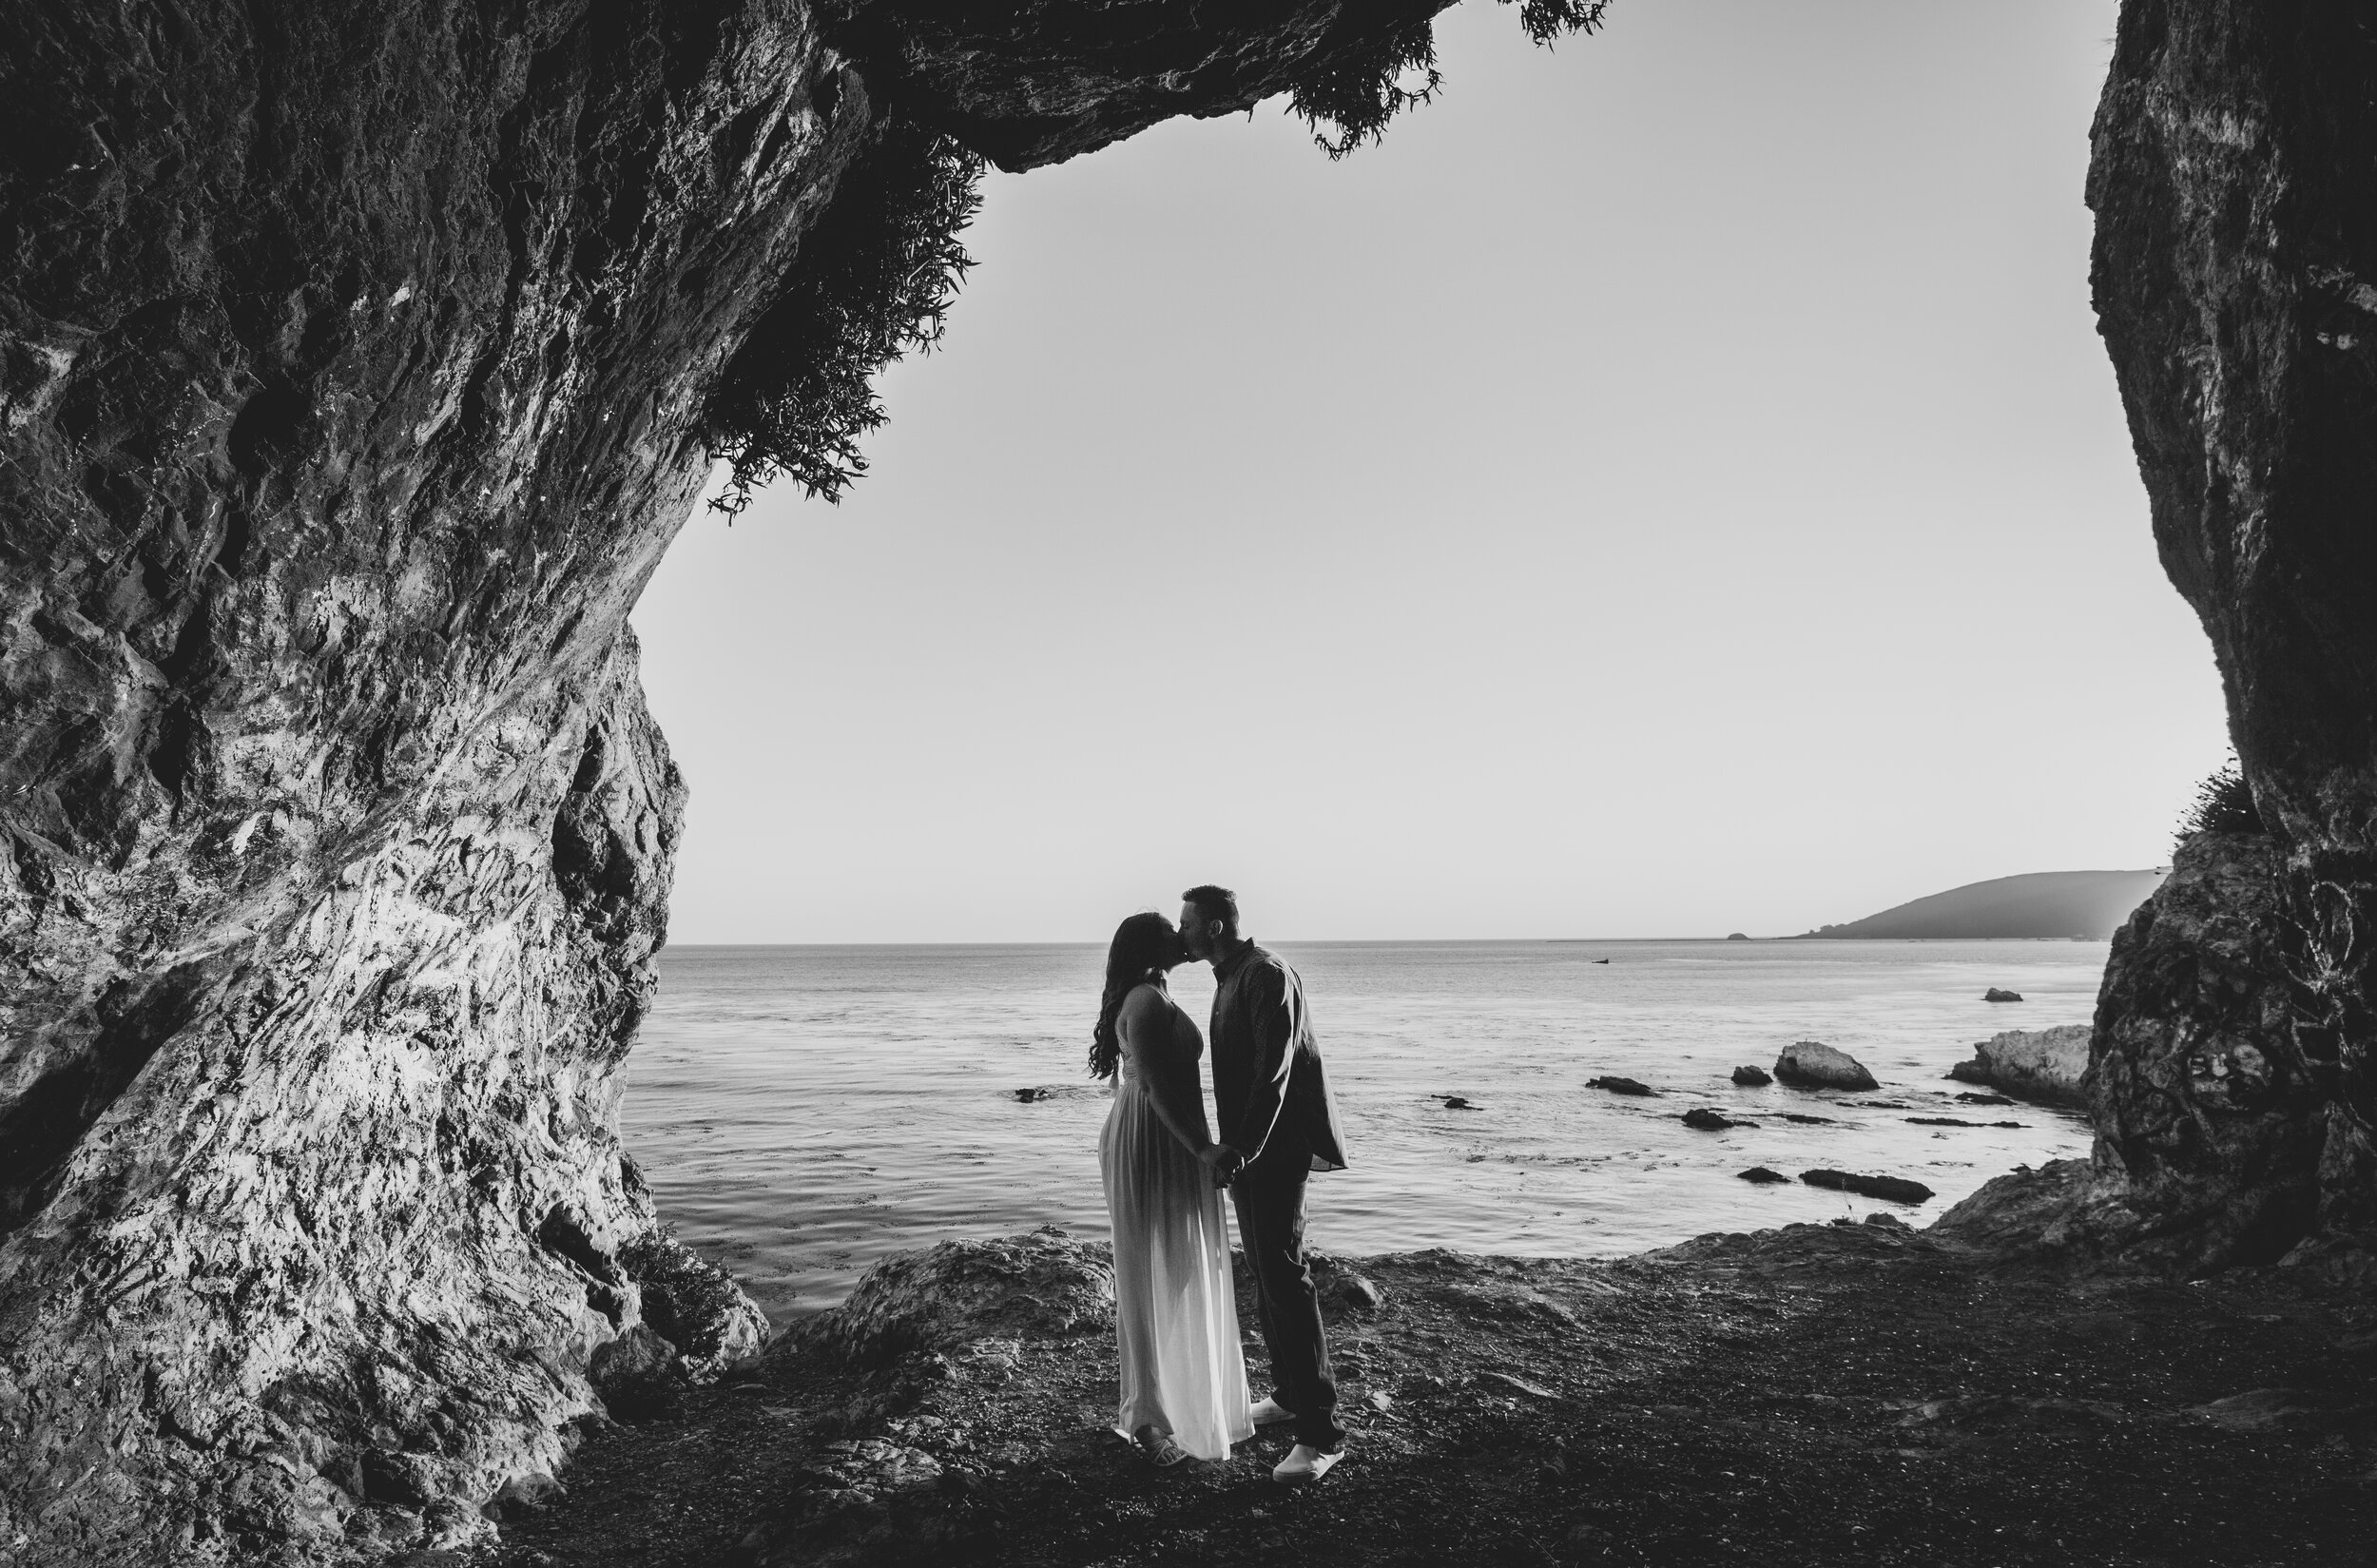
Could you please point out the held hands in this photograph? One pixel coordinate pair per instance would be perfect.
(1224, 1161)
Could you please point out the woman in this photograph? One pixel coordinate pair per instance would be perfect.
(1184, 1380)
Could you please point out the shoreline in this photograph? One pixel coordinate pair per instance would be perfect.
(1852, 1392)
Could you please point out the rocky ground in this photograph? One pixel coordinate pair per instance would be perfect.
(1851, 1393)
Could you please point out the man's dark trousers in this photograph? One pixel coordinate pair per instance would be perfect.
(1269, 1196)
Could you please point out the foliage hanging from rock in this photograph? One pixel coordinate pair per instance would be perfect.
(1351, 94)
(875, 280)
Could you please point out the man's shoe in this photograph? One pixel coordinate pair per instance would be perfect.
(1267, 1411)
(1304, 1462)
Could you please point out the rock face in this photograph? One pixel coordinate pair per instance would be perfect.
(2045, 1065)
(2236, 278)
(1811, 1064)
(356, 364)
(2213, 1115)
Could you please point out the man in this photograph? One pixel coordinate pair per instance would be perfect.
(1278, 1125)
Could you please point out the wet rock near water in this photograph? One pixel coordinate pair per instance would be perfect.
(1759, 1175)
(2047, 1066)
(1619, 1086)
(1951, 1121)
(1968, 1097)
(1893, 1188)
(1994, 994)
(1752, 1077)
(1705, 1121)
(1457, 1102)
(1812, 1064)
(1801, 1118)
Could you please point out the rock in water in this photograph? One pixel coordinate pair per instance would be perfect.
(1707, 1121)
(1761, 1176)
(1751, 1077)
(1619, 1086)
(1997, 995)
(1811, 1064)
(1895, 1189)
(1737, 937)
(2045, 1065)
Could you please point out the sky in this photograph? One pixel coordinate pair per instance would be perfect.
(1672, 486)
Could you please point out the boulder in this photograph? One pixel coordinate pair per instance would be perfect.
(1812, 1064)
(2045, 1065)
(1759, 1175)
(1040, 1286)
(1707, 1121)
(1620, 1086)
(1894, 1189)
(1994, 994)
(638, 1375)
(1752, 1077)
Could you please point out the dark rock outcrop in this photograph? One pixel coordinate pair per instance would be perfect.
(2045, 1065)
(1706, 1119)
(2212, 1112)
(1995, 995)
(1620, 1086)
(1043, 1284)
(1752, 1077)
(1759, 1176)
(1811, 1064)
(1895, 1189)
(2235, 276)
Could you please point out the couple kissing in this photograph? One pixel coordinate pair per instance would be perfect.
(1184, 1376)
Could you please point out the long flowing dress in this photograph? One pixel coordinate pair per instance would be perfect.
(1174, 1310)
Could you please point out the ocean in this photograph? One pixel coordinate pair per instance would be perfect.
(804, 1112)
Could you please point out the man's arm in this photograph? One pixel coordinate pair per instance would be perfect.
(1272, 1008)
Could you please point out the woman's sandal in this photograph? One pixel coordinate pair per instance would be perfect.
(1158, 1446)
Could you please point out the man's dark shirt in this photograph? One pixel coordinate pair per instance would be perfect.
(1269, 1093)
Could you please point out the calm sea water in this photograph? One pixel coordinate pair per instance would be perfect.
(801, 1111)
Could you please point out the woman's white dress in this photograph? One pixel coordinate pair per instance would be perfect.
(1174, 1309)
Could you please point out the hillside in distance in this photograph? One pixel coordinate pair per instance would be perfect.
(2041, 903)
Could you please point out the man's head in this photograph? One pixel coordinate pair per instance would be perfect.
(1208, 920)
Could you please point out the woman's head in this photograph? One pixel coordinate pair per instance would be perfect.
(1144, 947)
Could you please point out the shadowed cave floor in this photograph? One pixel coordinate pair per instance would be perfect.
(1846, 1394)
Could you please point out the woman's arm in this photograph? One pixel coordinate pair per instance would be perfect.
(1149, 1023)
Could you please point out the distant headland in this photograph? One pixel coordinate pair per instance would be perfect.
(2086, 904)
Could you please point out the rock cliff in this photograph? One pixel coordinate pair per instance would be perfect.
(356, 364)
(2235, 181)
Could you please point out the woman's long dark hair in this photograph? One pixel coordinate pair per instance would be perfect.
(1141, 945)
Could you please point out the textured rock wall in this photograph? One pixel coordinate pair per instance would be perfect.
(2235, 181)
(2211, 1118)
(353, 359)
